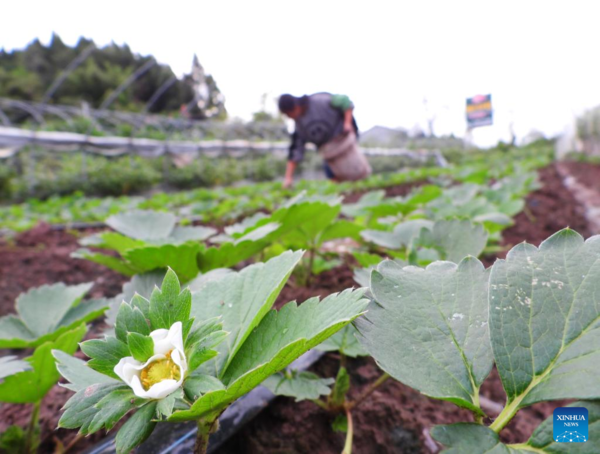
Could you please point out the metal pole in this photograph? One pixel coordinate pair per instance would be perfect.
(68, 70)
(121, 88)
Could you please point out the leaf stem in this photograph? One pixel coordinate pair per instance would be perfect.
(368, 391)
(510, 410)
(311, 264)
(507, 414)
(320, 403)
(477, 416)
(349, 433)
(206, 427)
(31, 440)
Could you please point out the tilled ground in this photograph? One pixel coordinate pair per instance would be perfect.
(391, 420)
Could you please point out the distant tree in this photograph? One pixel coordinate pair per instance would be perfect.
(27, 74)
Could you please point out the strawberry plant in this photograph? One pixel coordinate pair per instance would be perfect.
(534, 315)
(303, 222)
(421, 240)
(146, 241)
(51, 317)
(46, 312)
(183, 356)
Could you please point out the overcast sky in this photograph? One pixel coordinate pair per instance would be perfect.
(538, 59)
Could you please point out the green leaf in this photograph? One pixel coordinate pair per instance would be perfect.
(80, 409)
(113, 263)
(143, 225)
(428, 328)
(340, 389)
(10, 365)
(140, 346)
(32, 385)
(458, 239)
(169, 304)
(111, 240)
(362, 276)
(366, 260)
(131, 320)
(280, 338)
(14, 441)
(300, 385)
(242, 300)
(140, 284)
(545, 319)
(77, 372)
(230, 254)
(197, 385)
(340, 424)
(136, 429)
(165, 406)
(341, 228)
(182, 258)
(320, 265)
(237, 230)
(303, 220)
(212, 275)
(85, 312)
(201, 351)
(202, 331)
(369, 199)
(111, 408)
(200, 355)
(402, 235)
(199, 344)
(42, 308)
(45, 313)
(345, 342)
(105, 354)
(469, 438)
(197, 233)
(494, 218)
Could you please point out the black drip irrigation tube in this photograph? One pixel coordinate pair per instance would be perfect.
(180, 438)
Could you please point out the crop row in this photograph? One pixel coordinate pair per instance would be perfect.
(430, 314)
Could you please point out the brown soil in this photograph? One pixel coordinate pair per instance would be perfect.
(548, 210)
(43, 256)
(586, 173)
(391, 420)
(37, 257)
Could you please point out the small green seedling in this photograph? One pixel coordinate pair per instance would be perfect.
(147, 241)
(50, 317)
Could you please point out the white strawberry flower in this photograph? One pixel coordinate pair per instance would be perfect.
(164, 372)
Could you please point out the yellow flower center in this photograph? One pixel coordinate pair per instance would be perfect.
(159, 370)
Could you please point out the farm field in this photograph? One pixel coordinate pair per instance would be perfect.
(397, 235)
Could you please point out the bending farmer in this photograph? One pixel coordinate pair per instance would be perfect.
(325, 120)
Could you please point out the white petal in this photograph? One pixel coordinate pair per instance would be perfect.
(125, 368)
(179, 358)
(162, 389)
(176, 336)
(138, 389)
(162, 344)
